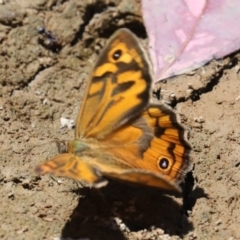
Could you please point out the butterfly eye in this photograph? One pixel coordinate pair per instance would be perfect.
(163, 163)
(117, 54)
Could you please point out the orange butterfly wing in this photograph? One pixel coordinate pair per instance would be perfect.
(117, 134)
(154, 147)
(69, 165)
(118, 90)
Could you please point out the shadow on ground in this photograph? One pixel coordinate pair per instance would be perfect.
(99, 210)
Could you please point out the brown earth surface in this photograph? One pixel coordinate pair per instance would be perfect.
(43, 80)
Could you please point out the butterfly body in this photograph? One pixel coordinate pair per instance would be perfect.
(119, 134)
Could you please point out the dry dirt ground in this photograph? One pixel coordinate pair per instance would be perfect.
(42, 79)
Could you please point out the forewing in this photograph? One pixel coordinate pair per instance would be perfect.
(119, 87)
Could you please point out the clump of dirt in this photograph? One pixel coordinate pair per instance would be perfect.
(43, 78)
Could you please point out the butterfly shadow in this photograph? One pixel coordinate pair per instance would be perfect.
(114, 210)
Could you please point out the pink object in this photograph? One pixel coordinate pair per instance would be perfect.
(186, 34)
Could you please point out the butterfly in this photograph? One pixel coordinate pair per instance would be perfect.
(120, 134)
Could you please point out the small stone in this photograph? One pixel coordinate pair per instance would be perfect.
(65, 122)
(218, 222)
(199, 119)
